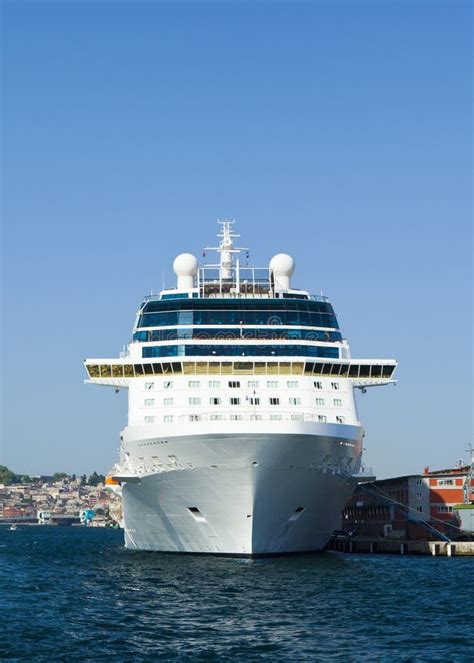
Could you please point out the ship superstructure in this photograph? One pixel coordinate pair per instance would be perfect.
(243, 435)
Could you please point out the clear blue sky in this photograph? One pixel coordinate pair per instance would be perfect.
(336, 131)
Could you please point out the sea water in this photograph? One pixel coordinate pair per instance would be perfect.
(75, 593)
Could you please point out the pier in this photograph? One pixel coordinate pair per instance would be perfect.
(379, 546)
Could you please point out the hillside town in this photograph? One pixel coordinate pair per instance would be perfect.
(60, 499)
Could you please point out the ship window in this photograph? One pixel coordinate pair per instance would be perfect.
(167, 401)
(308, 369)
(319, 401)
(201, 367)
(168, 418)
(149, 420)
(256, 417)
(260, 368)
(158, 369)
(376, 372)
(189, 368)
(149, 385)
(139, 369)
(318, 385)
(364, 371)
(272, 367)
(326, 369)
(235, 401)
(335, 368)
(273, 384)
(234, 384)
(128, 371)
(243, 367)
(275, 417)
(216, 417)
(274, 401)
(335, 386)
(214, 401)
(117, 371)
(252, 384)
(387, 371)
(337, 402)
(339, 419)
(236, 417)
(294, 401)
(354, 371)
(105, 371)
(194, 384)
(298, 367)
(148, 369)
(93, 370)
(322, 417)
(254, 400)
(177, 367)
(292, 384)
(214, 384)
(214, 367)
(344, 370)
(168, 384)
(226, 367)
(285, 368)
(149, 401)
(194, 401)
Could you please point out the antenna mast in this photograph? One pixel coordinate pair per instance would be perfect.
(226, 250)
(468, 481)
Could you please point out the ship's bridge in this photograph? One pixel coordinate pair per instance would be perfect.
(229, 313)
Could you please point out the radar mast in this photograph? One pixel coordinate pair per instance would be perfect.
(226, 250)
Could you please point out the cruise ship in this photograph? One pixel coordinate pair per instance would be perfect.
(243, 436)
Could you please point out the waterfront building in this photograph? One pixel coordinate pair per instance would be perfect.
(414, 506)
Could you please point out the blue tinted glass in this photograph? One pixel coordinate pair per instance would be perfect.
(236, 332)
(199, 317)
(239, 350)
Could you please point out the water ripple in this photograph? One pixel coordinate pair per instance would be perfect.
(76, 593)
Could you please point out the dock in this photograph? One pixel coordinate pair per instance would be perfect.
(400, 547)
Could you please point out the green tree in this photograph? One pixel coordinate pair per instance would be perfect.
(57, 476)
(25, 479)
(84, 480)
(95, 479)
(7, 477)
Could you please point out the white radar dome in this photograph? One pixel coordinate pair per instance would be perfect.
(282, 266)
(185, 267)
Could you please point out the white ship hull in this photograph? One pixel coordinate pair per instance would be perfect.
(244, 493)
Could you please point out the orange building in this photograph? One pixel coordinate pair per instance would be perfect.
(447, 489)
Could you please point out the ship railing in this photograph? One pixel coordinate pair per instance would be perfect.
(262, 291)
(252, 416)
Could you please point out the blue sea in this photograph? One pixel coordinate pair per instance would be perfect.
(76, 594)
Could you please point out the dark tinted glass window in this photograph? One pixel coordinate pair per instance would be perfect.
(239, 350)
(237, 333)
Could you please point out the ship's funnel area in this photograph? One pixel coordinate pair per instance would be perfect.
(185, 267)
(282, 266)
